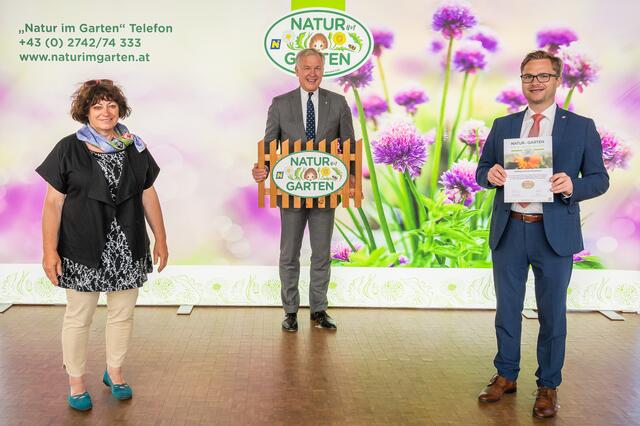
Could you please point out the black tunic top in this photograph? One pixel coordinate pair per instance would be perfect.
(89, 209)
(118, 270)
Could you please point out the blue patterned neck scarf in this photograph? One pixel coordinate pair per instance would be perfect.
(88, 134)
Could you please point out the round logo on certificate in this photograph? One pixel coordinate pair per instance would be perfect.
(528, 184)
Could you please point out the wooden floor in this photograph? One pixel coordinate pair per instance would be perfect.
(236, 366)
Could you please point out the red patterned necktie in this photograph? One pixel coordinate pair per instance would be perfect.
(534, 133)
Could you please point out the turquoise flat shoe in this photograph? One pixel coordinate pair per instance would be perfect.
(122, 391)
(80, 402)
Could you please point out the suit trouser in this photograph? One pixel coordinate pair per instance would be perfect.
(525, 244)
(293, 222)
(77, 320)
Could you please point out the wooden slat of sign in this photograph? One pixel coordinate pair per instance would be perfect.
(346, 154)
(297, 147)
(285, 196)
(261, 164)
(273, 157)
(309, 202)
(333, 199)
(322, 201)
(358, 199)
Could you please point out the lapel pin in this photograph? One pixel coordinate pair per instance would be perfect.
(564, 116)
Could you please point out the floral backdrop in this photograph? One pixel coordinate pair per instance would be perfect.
(423, 105)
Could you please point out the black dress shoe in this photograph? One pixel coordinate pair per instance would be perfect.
(323, 320)
(290, 322)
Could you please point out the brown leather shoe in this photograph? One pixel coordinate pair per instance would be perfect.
(546, 404)
(497, 387)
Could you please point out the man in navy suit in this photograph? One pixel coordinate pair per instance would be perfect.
(541, 235)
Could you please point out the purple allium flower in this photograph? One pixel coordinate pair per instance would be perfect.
(342, 251)
(451, 19)
(552, 38)
(473, 130)
(459, 182)
(359, 78)
(436, 46)
(410, 97)
(615, 152)
(579, 257)
(381, 39)
(512, 97)
(578, 70)
(486, 37)
(400, 144)
(469, 57)
(373, 106)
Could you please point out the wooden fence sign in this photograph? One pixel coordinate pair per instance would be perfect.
(321, 173)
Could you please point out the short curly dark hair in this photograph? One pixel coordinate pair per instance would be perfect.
(93, 91)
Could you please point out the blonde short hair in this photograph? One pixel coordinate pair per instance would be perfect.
(556, 63)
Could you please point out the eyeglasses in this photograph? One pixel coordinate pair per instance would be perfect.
(542, 78)
(91, 83)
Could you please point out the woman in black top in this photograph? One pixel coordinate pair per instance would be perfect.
(100, 189)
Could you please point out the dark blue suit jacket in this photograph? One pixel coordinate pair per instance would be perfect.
(577, 151)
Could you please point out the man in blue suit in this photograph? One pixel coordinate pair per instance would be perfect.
(541, 235)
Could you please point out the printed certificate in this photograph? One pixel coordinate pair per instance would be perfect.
(529, 166)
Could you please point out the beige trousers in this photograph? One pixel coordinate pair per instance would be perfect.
(77, 320)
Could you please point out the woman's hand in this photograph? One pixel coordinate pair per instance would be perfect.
(161, 251)
(52, 265)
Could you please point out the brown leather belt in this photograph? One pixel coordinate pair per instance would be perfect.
(528, 218)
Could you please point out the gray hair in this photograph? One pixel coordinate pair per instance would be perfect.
(308, 52)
